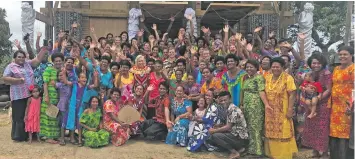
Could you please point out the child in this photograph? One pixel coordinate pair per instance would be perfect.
(33, 112)
(64, 96)
(198, 115)
(312, 91)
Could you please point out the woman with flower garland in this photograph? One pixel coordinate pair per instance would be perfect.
(140, 71)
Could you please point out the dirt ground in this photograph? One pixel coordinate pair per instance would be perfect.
(133, 149)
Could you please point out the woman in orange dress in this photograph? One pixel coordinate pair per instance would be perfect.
(280, 92)
(119, 131)
(343, 84)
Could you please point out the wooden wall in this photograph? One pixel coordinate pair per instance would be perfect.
(111, 25)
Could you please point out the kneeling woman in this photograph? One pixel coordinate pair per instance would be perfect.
(156, 128)
(182, 109)
(119, 130)
(90, 121)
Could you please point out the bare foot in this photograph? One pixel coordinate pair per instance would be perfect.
(51, 141)
(30, 141)
(234, 155)
(39, 140)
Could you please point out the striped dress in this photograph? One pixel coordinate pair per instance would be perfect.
(49, 127)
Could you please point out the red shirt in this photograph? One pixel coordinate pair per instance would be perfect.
(315, 85)
(160, 104)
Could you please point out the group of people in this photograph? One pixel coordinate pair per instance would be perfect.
(242, 94)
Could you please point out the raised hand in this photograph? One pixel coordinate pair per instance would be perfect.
(17, 43)
(205, 30)
(189, 17)
(272, 34)
(113, 47)
(238, 36)
(92, 45)
(154, 27)
(142, 19)
(193, 50)
(226, 28)
(150, 88)
(165, 34)
(39, 34)
(257, 29)
(243, 42)
(249, 47)
(92, 29)
(172, 18)
(74, 25)
(301, 36)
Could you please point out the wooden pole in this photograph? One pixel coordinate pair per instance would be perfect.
(348, 22)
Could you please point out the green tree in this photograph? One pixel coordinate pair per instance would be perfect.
(329, 19)
(5, 43)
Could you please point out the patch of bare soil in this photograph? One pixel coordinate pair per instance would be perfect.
(133, 149)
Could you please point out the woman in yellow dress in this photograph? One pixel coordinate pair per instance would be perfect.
(280, 91)
(125, 80)
(340, 122)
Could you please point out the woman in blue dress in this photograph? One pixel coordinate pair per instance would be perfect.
(182, 110)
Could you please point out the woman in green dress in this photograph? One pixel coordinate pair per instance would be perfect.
(49, 127)
(90, 121)
(253, 100)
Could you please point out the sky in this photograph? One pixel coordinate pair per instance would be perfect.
(13, 11)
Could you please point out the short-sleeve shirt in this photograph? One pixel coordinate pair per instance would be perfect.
(236, 118)
(160, 104)
(20, 91)
(215, 83)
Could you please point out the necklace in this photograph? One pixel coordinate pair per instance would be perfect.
(178, 103)
(140, 71)
(272, 85)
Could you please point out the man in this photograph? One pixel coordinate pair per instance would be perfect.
(233, 136)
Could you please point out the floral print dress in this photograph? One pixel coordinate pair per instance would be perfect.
(179, 134)
(215, 115)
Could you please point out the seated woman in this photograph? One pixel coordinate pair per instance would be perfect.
(90, 120)
(182, 109)
(156, 128)
(119, 130)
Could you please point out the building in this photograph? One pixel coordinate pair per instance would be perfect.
(112, 17)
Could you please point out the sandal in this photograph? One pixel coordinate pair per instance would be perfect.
(62, 142)
(74, 142)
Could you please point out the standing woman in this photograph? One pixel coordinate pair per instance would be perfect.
(280, 92)
(49, 126)
(316, 130)
(140, 71)
(125, 80)
(118, 130)
(254, 102)
(343, 84)
(19, 75)
(232, 79)
(182, 109)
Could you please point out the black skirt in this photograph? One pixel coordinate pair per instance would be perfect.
(18, 125)
(154, 130)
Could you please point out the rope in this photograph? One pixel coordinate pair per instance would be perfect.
(227, 20)
(160, 18)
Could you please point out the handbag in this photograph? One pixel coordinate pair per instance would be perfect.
(52, 111)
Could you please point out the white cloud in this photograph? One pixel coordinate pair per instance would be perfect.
(13, 11)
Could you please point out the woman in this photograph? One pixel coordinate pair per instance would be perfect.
(280, 93)
(125, 80)
(210, 81)
(232, 79)
(20, 76)
(182, 109)
(124, 37)
(136, 100)
(155, 78)
(215, 115)
(90, 120)
(253, 100)
(156, 128)
(140, 71)
(343, 84)
(118, 130)
(316, 130)
(169, 63)
(49, 126)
